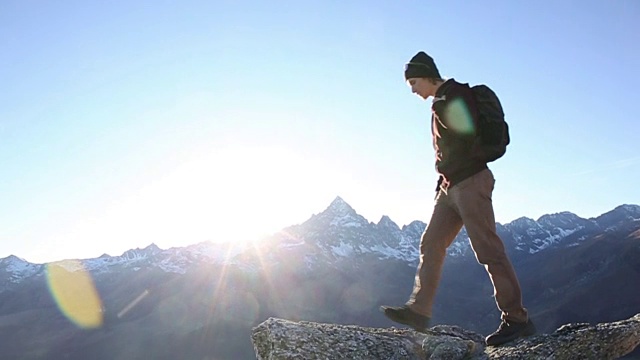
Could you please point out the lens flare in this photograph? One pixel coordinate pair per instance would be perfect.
(72, 289)
(132, 304)
(459, 118)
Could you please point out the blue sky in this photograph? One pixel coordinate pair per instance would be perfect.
(125, 123)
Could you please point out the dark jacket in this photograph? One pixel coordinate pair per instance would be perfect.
(453, 124)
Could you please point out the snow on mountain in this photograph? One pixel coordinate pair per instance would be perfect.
(342, 214)
(411, 235)
(533, 236)
(621, 214)
(632, 212)
(397, 243)
(174, 260)
(386, 223)
(338, 233)
(460, 245)
(18, 269)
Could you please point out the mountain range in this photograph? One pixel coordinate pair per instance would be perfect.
(201, 301)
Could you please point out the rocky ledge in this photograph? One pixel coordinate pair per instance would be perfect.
(278, 339)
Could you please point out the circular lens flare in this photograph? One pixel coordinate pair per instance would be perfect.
(72, 289)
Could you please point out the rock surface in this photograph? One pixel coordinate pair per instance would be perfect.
(278, 339)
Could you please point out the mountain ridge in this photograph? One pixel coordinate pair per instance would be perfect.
(201, 300)
(341, 214)
(341, 231)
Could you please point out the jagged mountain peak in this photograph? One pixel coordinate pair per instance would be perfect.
(626, 209)
(18, 268)
(618, 215)
(560, 215)
(386, 222)
(562, 220)
(339, 206)
(152, 247)
(138, 253)
(523, 222)
(629, 209)
(12, 258)
(338, 214)
(416, 225)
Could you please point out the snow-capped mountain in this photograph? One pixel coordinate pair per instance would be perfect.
(533, 236)
(177, 260)
(340, 233)
(14, 269)
(564, 229)
(200, 301)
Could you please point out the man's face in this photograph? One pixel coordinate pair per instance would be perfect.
(420, 87)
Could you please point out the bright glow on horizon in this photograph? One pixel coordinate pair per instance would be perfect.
(231, 194)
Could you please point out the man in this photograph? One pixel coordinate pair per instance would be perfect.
(463, 198)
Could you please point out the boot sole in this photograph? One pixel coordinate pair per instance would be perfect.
(529, 331)
(392, 316)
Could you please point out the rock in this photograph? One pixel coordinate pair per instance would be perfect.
(282, 339)
(576, 341)
(452, 343)
(278, 339)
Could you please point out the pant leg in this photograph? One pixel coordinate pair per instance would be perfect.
(476, 209)
(442, 229)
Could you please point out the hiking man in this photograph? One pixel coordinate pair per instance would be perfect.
(463, 198)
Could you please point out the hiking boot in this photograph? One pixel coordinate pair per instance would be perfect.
(406, 316)
(509, 331)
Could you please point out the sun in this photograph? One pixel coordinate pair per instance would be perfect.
(257, 190)
(226, 194)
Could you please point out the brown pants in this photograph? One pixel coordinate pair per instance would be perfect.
(467, 203)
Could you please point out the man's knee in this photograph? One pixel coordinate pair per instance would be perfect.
(491, 259)
(432, 245)
(489, 251)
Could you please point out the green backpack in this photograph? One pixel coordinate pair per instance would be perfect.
(493, 129)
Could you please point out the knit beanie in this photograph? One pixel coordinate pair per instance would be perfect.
(421, 66)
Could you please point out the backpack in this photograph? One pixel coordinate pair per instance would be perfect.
(493, 131)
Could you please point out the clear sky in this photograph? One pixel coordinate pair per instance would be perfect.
(125, 123)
